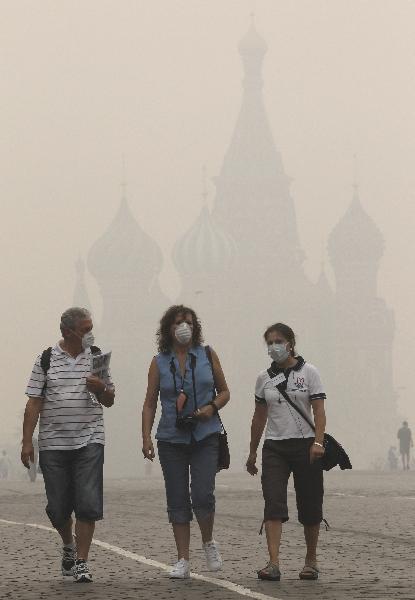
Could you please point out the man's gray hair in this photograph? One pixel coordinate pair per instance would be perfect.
(72, 315)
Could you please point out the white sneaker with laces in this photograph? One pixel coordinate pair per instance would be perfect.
(181, 570)
(213, 557)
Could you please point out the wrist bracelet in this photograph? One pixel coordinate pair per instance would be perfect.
(318, 444)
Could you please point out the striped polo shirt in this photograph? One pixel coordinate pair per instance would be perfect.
(69, 418)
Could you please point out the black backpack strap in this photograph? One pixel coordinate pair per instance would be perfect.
(45, 360)
(45, 364)
(193, 367)
(210, 359)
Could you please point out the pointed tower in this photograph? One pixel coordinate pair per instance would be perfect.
(252, 187)
(364, 332)
(126, 263)
(80, 296)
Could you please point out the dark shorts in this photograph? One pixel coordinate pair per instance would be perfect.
(280, 458)
(74, 483)
(404, 449)
(194, 463)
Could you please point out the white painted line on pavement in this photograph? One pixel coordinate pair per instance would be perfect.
(228, 585)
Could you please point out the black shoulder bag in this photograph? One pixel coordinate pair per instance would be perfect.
(334, 453)
(224, 459)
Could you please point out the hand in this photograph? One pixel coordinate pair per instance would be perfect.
(28, 454)
(316, 452)
(250, 464)
(94, 384)
(148, 449)
(205, 413)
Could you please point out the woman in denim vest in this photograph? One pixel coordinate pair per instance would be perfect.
(185, 378)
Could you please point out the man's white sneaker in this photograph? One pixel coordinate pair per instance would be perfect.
(213, 557)
(181, 570)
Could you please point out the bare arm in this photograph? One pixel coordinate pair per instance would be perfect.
(149, 409)
(31, 417)
(222, 398)
(316, 451)
(319, 419)
(259, 421)
(223, 394)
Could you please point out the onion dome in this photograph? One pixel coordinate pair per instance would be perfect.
(356, 238)
(204, 248)
(252, 42)
(125, 251)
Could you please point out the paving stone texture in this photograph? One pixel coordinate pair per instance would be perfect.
(369, 552)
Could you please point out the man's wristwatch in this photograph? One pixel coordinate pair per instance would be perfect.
(215, 407)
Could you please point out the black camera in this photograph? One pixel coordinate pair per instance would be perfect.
(187, 423)
(184, 422)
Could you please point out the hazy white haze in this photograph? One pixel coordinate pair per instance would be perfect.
(85, 83)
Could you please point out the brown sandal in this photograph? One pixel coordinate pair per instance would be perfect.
(309, 573)
(270, 573)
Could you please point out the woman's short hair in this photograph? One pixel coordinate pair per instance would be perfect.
(285, 331)
(163, 335)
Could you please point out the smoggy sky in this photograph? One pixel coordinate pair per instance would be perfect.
(83, 83)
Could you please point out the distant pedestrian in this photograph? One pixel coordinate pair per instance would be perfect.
(185, 374)
(393, 458)
(405, 444)
(291, 446)
(71, 436)
(5, 465)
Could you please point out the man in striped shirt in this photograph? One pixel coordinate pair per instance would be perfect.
(71, 436)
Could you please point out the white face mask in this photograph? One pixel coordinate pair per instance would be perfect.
(88, 340)
(183, 333)
(278, 352)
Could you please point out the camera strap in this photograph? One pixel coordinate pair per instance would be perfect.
(173, 371)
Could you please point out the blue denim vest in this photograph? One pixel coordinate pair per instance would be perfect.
(167, 430)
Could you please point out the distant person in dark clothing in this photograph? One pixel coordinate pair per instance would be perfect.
(393, 458)
(405, 444)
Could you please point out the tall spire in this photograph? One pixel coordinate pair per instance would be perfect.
(355, 181)
(123, 181)
(252, 49)
(252, 187)
(204, 186)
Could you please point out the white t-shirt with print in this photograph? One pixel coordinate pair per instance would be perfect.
(303, 386)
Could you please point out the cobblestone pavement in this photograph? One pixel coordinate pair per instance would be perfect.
(368, 552)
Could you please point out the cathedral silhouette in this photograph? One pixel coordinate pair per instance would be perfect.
(241, 268)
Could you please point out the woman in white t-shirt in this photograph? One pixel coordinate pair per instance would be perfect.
(291, 446)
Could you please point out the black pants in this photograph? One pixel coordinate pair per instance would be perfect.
(280, 458)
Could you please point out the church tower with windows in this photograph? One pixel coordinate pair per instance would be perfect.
(366, 400)
(126, 263)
